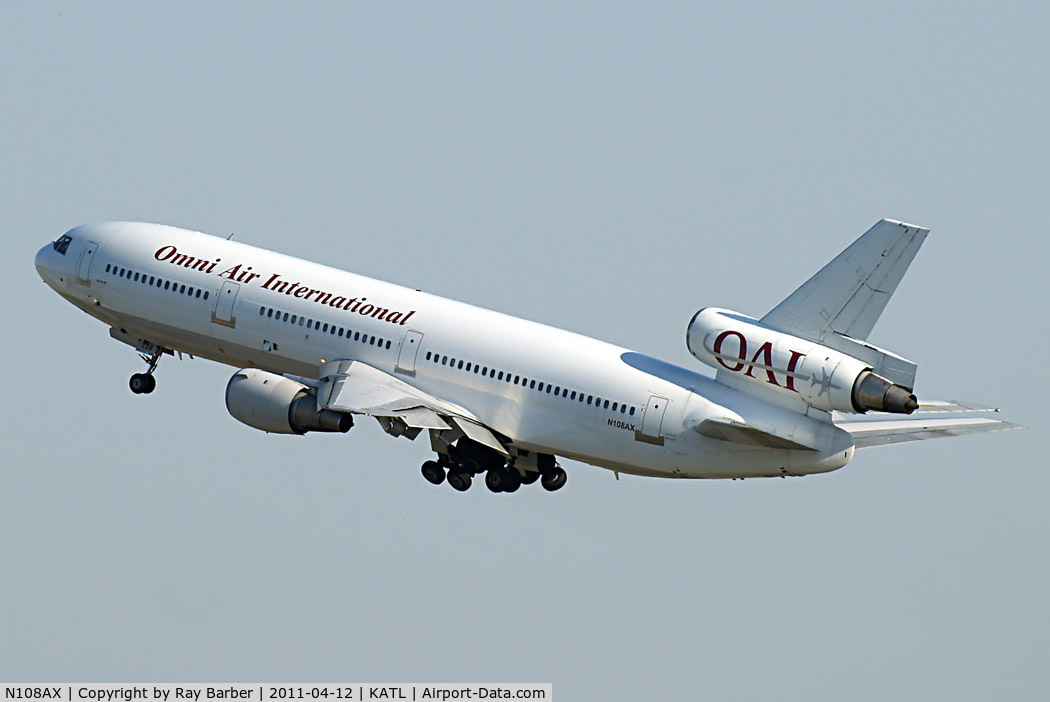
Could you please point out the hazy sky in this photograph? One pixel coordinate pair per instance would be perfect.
(605, 168)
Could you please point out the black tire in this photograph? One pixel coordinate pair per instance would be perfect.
(138, 383)
(459, 480)
(434, 473)
(554, 480)
(494, 480)
(530, 477)
(151, 384)
(512, 478)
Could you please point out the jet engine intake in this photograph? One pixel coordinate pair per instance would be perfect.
(279, 405)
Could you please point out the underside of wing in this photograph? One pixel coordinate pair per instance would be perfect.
(879, 433)
(402, 409)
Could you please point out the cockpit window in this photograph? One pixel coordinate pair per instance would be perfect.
(62, 243)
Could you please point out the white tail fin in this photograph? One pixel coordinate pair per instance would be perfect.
(848, 295)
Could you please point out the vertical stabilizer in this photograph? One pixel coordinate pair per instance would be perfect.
(848, 295)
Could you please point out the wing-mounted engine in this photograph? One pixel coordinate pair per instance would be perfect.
(741, 347)
(276, 404)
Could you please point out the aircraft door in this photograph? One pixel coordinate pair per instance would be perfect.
(406, 356)
(223, 313)
(652, 421)
(84, 266)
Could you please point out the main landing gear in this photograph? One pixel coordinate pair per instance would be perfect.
(463, 462)
(145, 383)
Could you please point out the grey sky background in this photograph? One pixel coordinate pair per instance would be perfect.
(605, 168)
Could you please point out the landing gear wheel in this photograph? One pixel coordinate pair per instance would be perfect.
(459, 480)
(434, 473)
(530, 477)
(512, 478)
(142, 383)
(554, 479)
(494, 480)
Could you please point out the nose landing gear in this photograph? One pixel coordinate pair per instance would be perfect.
(145, 383)
(142, 383)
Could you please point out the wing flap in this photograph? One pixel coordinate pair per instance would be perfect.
(358, 388)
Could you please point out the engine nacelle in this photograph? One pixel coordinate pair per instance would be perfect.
(823, 377)
(276, 404)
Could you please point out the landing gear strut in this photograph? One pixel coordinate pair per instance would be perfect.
(145, 383)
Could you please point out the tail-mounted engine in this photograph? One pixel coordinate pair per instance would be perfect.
(276, 404)
(823, 377)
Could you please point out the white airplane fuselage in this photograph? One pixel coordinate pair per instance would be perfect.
(551, 390)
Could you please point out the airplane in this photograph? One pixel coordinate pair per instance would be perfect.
(316, 347)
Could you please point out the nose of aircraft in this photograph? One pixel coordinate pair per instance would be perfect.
(41, 258)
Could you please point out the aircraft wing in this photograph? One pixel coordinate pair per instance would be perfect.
(358, 388)
(867, 433)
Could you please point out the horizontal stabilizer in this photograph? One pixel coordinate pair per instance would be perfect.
(880, 433)
(938, 406)
(848, 295)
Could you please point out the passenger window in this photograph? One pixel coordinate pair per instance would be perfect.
(372, 341)
(476, 368)
(205, 295)
(324, 329)
(516, 379)
(573, 395)
(294, 317)
(632, 411)
(467, 368)
(167, 285)
(182, 290)
(198, 292)
(444, 360)
(606, 405)
(532, 385)
(500, 376)
(107, 268)
(285, 317)
(615, 405)
(136, 277)
(428, 355)
(269, 312)
(340, 331)
(589, 398)
(623, 409)
(460, 366)
(262, 311)
(301, 320)
(548, 389)
(388, 343)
